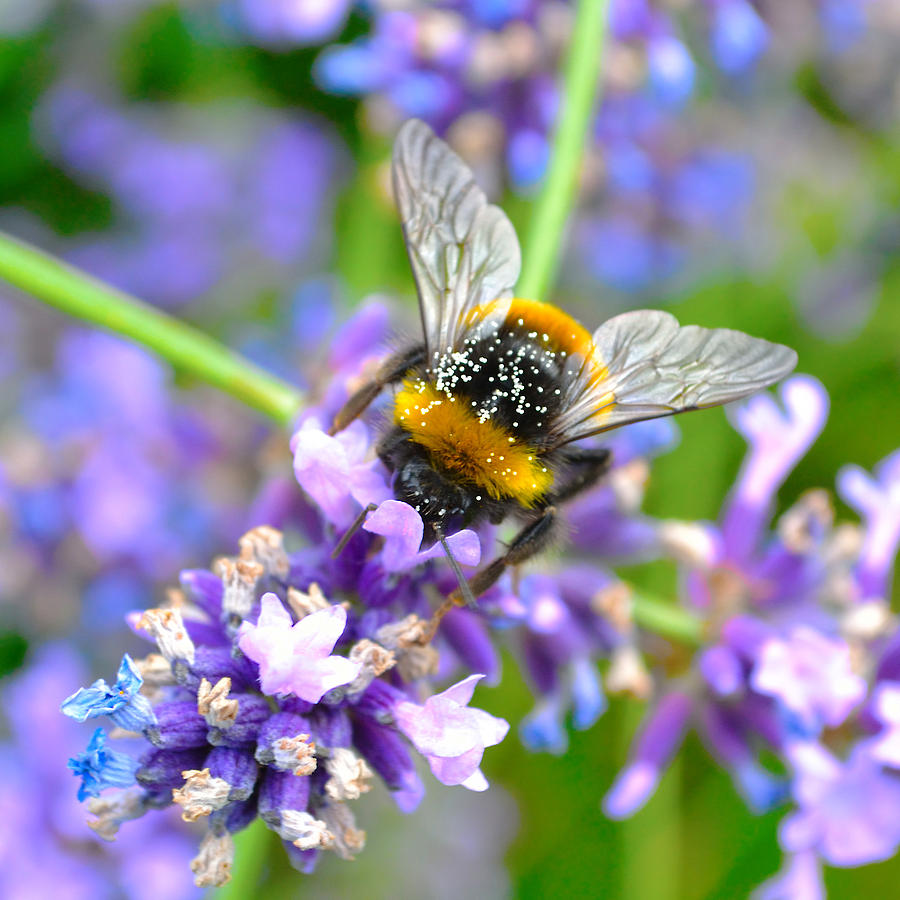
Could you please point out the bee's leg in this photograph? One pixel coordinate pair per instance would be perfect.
(586, 466)
(391, 370)
(533, 538)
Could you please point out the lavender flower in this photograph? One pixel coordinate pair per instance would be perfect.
(450, 736)
(121, 702)
(254, 714)
(802, 644)
(99, 767)
(294, 658)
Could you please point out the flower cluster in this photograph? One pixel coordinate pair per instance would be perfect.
(801, 655)
(45, 847)
(285, 681)
(249, 712)
(210, 200)
(657, 180)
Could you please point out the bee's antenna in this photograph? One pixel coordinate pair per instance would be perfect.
(464, 589)
(354, 527)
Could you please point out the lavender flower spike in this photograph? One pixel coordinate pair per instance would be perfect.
(121, 702)
(878, 501)
(451, 736)
(777, 439)
(295, 658)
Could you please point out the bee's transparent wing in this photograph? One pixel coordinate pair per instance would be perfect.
(645, 365)
(464, 251)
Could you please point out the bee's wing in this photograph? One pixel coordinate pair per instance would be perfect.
(645, 366)
(464, 251)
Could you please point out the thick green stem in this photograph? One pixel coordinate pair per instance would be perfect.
(581, 87)
(187, 349)
(251, 848)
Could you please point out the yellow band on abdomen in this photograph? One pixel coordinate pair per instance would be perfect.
(469, 448)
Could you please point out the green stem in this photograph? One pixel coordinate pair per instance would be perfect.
(581, 87)
(667, 620)
(187, 349)
(250, 854)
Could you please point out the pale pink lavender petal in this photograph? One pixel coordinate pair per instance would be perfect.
(846, 811)
(878, 501)
(633, 787)
(451, 736)
(811, 675)
(885, 747)
(295, 659)
(339, 471)
(800, 878)
(778, 438)
(462, 691)
(476, 782)
(402, 528)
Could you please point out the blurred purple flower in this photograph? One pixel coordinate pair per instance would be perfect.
(739, 35)
(657, 743)
(811, 676)
(878, 502)
(292, 22)
(847, 812)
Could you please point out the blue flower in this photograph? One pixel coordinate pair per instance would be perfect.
(122, 702)
(739, 36)
(100, 768)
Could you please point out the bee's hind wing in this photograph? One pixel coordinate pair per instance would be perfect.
(463, 250)
(645, 365)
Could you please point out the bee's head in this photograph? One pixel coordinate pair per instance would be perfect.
(438, 500)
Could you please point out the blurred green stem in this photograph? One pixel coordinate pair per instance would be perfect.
(187, 349)
(581, 87)
(667, 620)
(250, 854)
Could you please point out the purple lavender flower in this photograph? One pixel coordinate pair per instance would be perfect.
(255, 714)
(846, 812)
(337, 471)
(878, 501)
(403, 529)
(657, 744)
(801, 644)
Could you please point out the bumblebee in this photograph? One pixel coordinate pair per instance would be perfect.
(490, 405)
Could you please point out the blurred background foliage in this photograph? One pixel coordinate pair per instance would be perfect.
(814, 266)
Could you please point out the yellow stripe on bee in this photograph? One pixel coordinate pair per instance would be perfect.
(468, 448)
